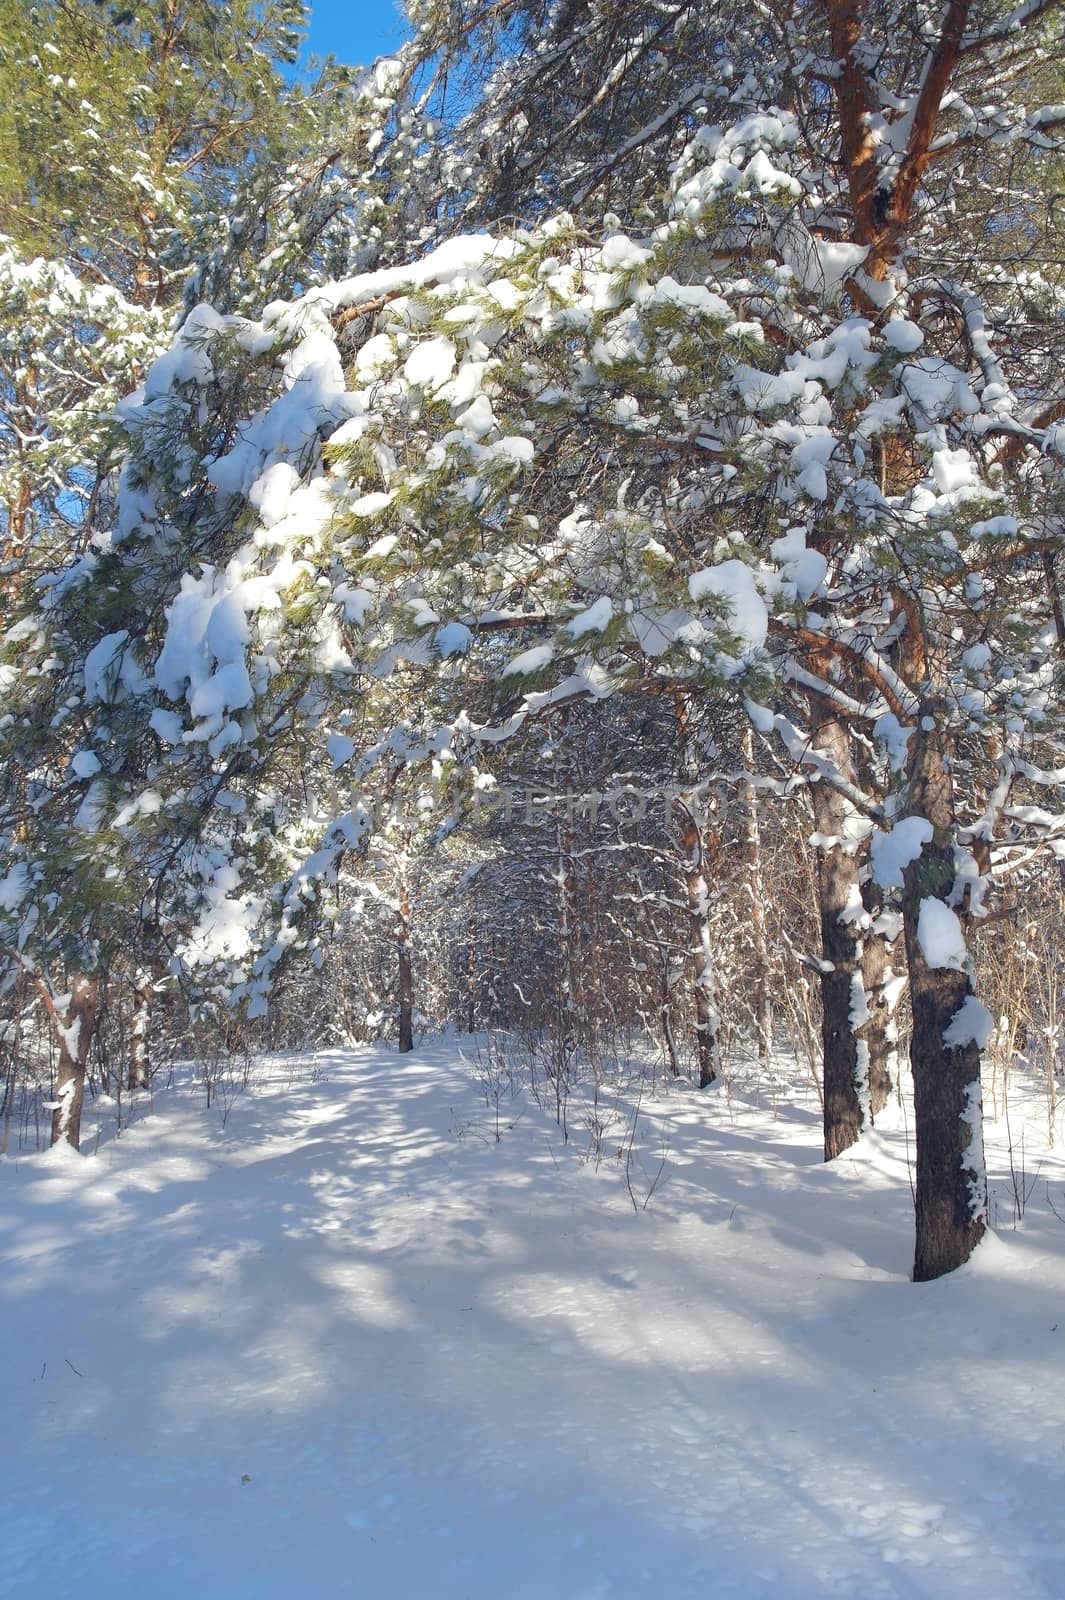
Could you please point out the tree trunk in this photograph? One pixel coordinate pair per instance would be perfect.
(406, 974)
(665, 1014)
(951, 1189)
(841, 913)
(690, 832)
(569, 1020)
(707, 1015)
(140, 1031)
(471, 982)
(763, 1015)
(403, 952)
(75, 1033)
(13, 548)
(406, 1000)
(876, 1035)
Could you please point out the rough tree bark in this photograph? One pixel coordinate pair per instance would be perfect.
(140, 1031)
(881, 215)
(841, 911)
(752, 854)
(876, 1035)
(74, 1030)
(707, 1014)
(692, 845)
(950, 1189)
(405, 964)
(471, 981)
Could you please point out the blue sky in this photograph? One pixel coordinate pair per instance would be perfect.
(355, 31)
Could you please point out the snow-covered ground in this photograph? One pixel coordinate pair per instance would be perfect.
(346, 1343)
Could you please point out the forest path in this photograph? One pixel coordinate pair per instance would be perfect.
(348, 1343)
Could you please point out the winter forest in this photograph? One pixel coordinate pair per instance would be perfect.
(532, 656)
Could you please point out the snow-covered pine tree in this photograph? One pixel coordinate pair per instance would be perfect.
(762, 443)
(135, 148)
(585, 105)
(126, 141)
(600, 548)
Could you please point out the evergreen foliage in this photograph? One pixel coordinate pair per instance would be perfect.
(606, 354)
